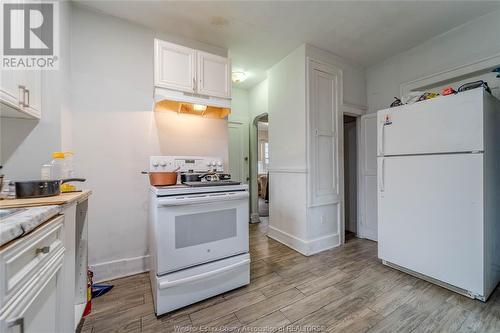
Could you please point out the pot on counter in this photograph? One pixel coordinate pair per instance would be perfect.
(41, 188)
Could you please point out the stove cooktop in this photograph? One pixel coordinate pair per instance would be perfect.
(208, 187)
(212, 183)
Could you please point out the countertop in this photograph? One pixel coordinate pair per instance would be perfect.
(21, 221)
(62, 199)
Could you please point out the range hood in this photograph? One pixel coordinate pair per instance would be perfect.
(182, 102)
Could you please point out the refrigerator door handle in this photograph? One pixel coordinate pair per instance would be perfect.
(382, 144)
(382, 176)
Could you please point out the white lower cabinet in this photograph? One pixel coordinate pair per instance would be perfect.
(30, 276)
(37, 310)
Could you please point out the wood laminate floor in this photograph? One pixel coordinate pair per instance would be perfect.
(343, 290)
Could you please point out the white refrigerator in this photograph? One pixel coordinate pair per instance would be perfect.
(438, 170)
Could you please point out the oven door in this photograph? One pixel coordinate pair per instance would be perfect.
(199, 228)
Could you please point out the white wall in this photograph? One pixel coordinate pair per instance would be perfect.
(287, 147)
(25, 145)
(239, 105)
(115, 131)
(469, 43)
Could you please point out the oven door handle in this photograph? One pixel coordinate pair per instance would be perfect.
(205, 198)
(194, 278)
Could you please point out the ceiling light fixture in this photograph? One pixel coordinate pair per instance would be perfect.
(239, 76)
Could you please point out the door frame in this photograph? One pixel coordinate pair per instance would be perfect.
(361, 188)
(254, 152)
(343, 182)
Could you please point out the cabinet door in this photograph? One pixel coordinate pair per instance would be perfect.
(39, 309)
(11, 80)
(32, 81)
(324, 152)
(214, 75)
(175, 66)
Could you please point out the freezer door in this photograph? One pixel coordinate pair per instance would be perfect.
(440, 125)
(430, 216)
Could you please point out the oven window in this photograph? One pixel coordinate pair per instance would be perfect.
(206, 227)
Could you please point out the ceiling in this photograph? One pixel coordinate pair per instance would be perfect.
(260, 33)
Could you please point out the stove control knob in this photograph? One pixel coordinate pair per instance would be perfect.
(155, 164)
(163, 163)
(214, 163)
(219, 163)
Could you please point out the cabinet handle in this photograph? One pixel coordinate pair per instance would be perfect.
(45, 250)
(27, 93)
(16, 322)
(21, 96)
(194, 85)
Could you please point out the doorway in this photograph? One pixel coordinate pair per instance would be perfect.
(350, 177)
(259, 163)
(262, 166)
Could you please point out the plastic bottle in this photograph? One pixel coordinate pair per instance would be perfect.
(46, 172)
(69, 164)
(58, 167)
(69, 171)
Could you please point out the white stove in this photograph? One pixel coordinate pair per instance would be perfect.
(198, 236)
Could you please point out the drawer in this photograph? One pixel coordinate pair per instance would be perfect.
(24, 259)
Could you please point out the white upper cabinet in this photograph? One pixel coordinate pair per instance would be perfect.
(188, 70)
(20, 90)
(214, 75)
(175, 66)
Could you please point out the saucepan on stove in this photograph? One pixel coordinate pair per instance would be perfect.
(191, 177)
(41, 188)
(162, 178)
(187, 177)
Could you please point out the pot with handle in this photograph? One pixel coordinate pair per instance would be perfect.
(162, 178)
(41, 188)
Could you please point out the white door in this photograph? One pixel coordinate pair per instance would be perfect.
(175, 66)
(325, 155)
(444, 124)
(238, 151)
(214, 75)
(367, 209)
(431, 218)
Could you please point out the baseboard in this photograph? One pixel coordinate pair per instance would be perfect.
(289, 240)
(304, 247)
(324, 243)
(119, 268)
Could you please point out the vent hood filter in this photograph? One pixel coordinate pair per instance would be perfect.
(181, 102)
